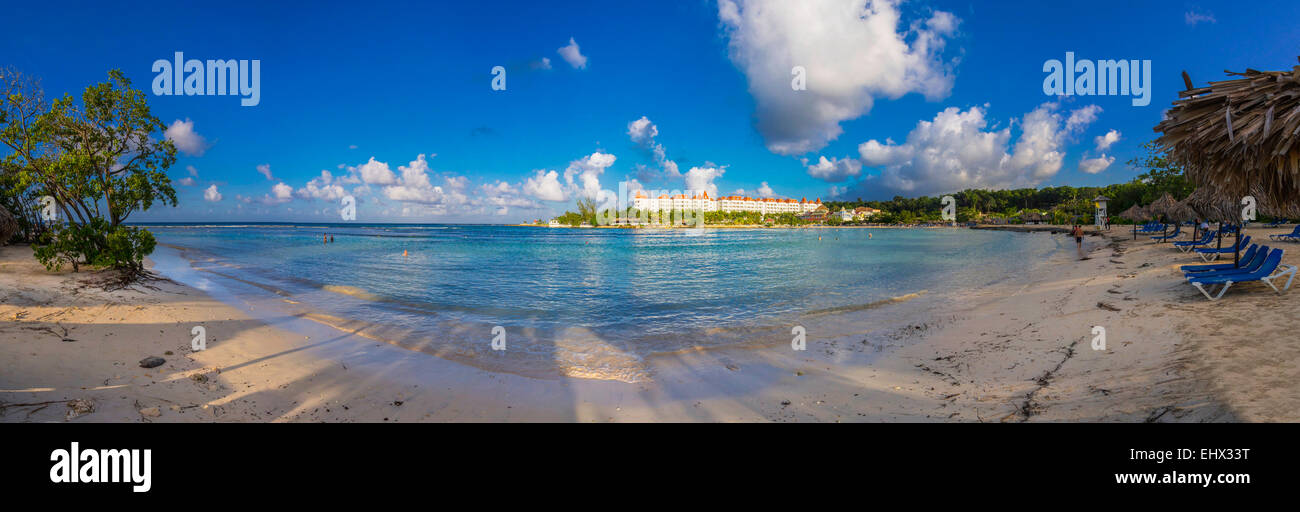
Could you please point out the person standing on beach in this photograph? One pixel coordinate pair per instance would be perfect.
(1077, 233)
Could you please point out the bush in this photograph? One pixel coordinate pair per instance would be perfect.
(96, 244)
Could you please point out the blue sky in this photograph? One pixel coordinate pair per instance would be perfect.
(951, 93)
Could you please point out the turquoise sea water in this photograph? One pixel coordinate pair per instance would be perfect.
(594, 302)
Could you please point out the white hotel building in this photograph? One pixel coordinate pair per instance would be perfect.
(703, 202)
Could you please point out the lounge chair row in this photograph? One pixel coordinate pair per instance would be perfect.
(1259, 263)
(1293, 236)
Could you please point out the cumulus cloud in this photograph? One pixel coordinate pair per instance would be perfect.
(376, 173)
(1096, 165)
(701, 179)
(322, 187)
(853, 51)
(643, 132)
(187, 181)
(765, 191)
(187, 141)
(415, 185)
(280, 193)
(545, 185)
(572, 54)
(957, 150)
(834, 170)
(1104, 142)
(211, 194)
(582, 177)
(265, 170)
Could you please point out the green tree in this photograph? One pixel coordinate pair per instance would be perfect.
(101, 161)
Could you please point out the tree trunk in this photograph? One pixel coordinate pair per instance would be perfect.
(8, 226)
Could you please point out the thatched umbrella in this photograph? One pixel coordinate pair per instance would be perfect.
(1136, 214)
(1240, 136)
(1164, 208)
(1213, 205)
(8, 226)
(1028, 217)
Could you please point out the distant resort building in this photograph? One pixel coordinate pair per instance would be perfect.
(864, 213)
(703, 202)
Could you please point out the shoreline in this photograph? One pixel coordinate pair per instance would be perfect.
(1013, 351)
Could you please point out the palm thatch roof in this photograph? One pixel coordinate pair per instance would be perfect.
(1214, 207)
(1135, 213)
(1031, 216)
(1160, 207)
(1182, 212)
(1167, 208)
(1240, 135)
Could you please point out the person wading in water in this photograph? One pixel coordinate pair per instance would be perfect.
(1077, 233)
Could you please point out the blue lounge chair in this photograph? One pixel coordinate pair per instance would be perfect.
(1293, 236)
(1247, 266)
(1178, 230)
(1209, 254)
(1266, 273)
(1206, 238)
(1275, 223)
(1151, 228)
(1245, 260)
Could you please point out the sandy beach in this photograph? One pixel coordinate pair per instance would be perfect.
(1019, 350)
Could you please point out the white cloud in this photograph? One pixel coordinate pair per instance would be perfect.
(187, 141)
(1082, 117)
(545, 185)
(416, 186)
(572, 55)
(642, 131)
(280, 193)
(956, 151)
(322, 187)
(701, 179)
(588, 170)
(193, 172)
(265, 170)
(376, 173)
(834, 170)
(543, 63)
(1096, 165)
(211, 194)
(766, 191)
(853, 51)
(1193, 17)
(187, 181)
(1104, 142)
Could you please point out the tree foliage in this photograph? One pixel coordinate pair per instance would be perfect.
(100, 159)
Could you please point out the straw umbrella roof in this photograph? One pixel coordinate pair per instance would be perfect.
(1181, 212)
(1240, 135)
(1135, 213)
(1161, 207)
(1214, 206)
(1031, 217)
